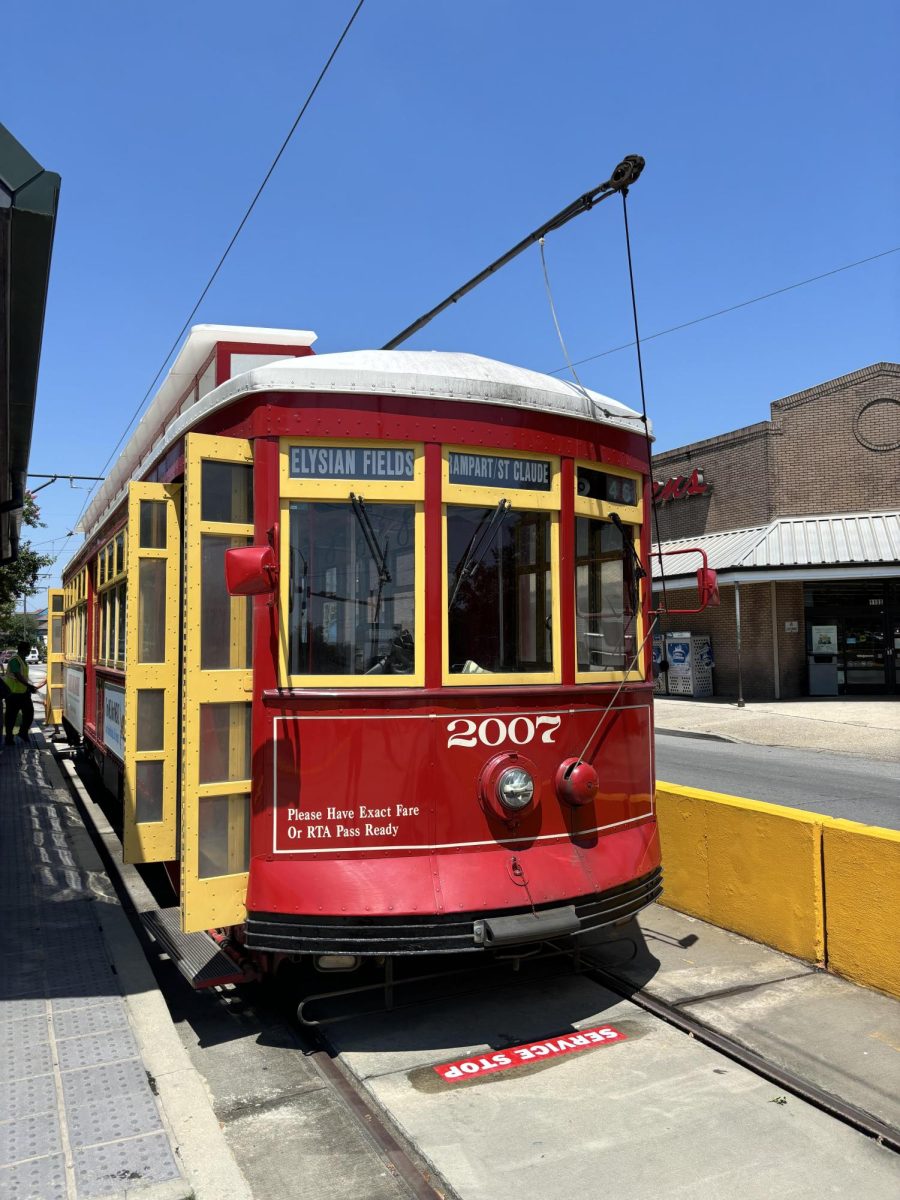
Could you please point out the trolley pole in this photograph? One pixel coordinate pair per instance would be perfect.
(625, 174)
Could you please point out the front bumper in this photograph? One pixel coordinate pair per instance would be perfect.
(446, 933)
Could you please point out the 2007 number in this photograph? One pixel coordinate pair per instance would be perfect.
(493, 731)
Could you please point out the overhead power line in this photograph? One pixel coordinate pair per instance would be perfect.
(731, 308)
(228, 248)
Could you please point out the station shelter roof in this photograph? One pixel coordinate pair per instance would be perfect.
(29, 197)
(829, 546)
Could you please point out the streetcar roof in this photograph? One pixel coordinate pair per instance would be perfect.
(429, 374)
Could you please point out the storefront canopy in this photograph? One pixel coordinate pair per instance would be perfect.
(28, 202)
(833, 546)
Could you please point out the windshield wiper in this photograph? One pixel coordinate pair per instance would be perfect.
(478, 547)
(637, 571)
(379, 556)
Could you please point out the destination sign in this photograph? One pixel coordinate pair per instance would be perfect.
(350, 462)
(491, 470)
(598, 485)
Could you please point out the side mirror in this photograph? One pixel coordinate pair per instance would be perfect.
(707, 581)
(251, 571)
(708, 587)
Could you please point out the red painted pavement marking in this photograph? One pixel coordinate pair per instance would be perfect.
(517, 1056)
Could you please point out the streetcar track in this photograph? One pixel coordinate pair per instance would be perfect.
(842, 1110)
(403, 1159)
(398, 1156)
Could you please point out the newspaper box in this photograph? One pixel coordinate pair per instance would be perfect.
(690, 664)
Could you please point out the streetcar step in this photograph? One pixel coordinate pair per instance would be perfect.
(195, 955)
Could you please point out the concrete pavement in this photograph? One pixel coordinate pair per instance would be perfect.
(654, 1114)
(865, 728)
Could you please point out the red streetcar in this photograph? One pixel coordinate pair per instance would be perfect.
(363, 643)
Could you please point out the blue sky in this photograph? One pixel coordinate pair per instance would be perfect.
(445, 131)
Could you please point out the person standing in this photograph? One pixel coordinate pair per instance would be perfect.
(20, 690)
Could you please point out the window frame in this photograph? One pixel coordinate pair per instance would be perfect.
(521, 499)
(106, 597)
(373, 491)
(75, 605)
(632, 516)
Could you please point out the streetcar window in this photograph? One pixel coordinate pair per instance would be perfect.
(150, 711)
(153, 525)
(56, 628)
(224, 842)
(225, 621)
(120, 638)
(151, 611)
(227, 493)
(149, 791)
(224, 742)
(605, 596)
(499, 602)
(352, 588)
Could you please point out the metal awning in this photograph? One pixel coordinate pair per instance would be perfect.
(830, 546)
(28, 202)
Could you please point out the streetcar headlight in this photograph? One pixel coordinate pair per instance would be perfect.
(515, 788)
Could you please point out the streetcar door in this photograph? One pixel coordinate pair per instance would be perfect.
(152, 645)
(216, 687)
(53, 702)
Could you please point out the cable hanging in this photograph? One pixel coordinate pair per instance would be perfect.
(721, 312)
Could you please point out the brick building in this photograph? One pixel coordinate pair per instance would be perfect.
(800, 516)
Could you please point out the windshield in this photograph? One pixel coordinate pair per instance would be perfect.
(605, 596)
(499, 590)
(352, 588)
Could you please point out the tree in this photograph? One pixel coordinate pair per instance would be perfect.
(20, 578)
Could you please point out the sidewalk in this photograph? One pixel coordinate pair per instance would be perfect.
(866, 728)
(91, 1075)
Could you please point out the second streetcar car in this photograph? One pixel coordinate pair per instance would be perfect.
(362, 643)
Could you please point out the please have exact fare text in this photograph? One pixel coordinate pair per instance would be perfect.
(367, 822)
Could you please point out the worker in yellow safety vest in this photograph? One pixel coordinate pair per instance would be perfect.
(19, 693)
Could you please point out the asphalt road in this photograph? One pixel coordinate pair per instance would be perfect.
(833, 784)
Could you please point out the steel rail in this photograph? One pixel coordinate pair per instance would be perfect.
(625, 174)
(842, 1110)
(400, 1159)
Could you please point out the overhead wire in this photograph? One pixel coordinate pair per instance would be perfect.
(228, 248)
(721, 312)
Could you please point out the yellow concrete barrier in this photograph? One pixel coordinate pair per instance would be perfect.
(862, 890)
(818, 888)
(748, 866)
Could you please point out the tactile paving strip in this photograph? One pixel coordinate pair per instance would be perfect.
(39, 1179)
(25, 1097)
(95, 1050)
(116, 1166)
(82, 1040)
(29, 1137)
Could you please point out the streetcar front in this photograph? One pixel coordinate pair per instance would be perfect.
(452, 744)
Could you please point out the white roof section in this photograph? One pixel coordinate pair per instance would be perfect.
(415, 373)
(791, 544)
